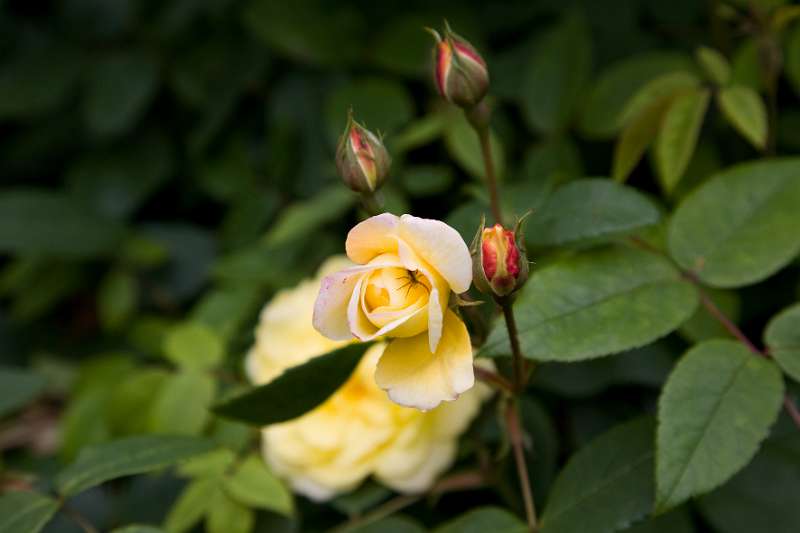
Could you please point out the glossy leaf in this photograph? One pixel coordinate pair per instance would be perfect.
(392, 524)
(782, 337)
(595, 304)
(715, 409)
(607, 485)
(746, 112)
(125, 457)
(484, 519)
(740, 226)
(25, 512)
(677, 137)
(590, 210)
(278, 401)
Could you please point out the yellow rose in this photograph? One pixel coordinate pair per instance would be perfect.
(358, 431)
(407, 268)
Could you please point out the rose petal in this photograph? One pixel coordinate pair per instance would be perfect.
(372, 237)
(440, 246)
(415, 377)
(330, 309)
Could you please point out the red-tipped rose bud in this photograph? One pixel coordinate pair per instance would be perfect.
(459, 71)
(361, 158)
(499, 264)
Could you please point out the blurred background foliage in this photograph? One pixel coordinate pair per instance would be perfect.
(165, 167)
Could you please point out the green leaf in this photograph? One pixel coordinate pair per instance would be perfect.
(590, 210)
(669, 86)
(595, 304)
(746, 112)
(715, 65)
(601, 117)
(677, 137)
(607, 485)
(301, 218)
(19, 387)
(484, 519)
(646, 366)
(227, 516)
(740, 226)
(715, 409)
(131, 402)
(366, 496)
(181, 407)
(253, 485)
(377, 103)
(194, 346)
(556, 75)
(465, 148)
(763, 495)
(192, 505)
(212, 464)
(44, 222)
(121, 87)
(638, 135)
(278, 401)
(125, 457)
(25, 512)
(782, 337)
(117, 299)
(392, 524)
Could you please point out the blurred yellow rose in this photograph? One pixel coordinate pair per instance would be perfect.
(358, 431)
(400, 288)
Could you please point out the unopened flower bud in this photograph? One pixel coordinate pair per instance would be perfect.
(361, 158)
(459, 71)
(499, 264)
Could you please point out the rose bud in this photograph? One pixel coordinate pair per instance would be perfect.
(361, 158)
(499, 264)
(459, 72)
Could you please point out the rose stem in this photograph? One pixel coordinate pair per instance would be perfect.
(491, 178)
(512, 413)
